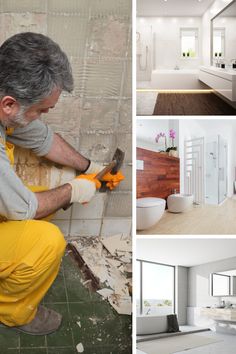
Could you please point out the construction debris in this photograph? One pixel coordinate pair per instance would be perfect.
(109, 261)
(80, 348)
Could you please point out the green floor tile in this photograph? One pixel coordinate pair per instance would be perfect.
(75, 289)
(62, 351)
(93, 350)
(33, 351)
(27, 340)
(8, 338)
(57, 291)
(63, 336)
(87, 319)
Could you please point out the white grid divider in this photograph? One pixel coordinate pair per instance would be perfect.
(194, 169)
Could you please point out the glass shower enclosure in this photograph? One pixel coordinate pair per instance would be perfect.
(216, 156)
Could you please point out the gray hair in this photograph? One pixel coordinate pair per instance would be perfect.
(31, 67)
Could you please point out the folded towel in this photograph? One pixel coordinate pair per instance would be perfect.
(172, 323)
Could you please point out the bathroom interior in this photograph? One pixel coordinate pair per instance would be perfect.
(186, 173)
(196, 287)
(185, 57)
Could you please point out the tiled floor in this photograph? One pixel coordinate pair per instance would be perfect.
(87, 319)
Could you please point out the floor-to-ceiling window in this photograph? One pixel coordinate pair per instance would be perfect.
(155, 288)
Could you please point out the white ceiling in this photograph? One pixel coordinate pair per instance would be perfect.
(172, 7)
(185, 251)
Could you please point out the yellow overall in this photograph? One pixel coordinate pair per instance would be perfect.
(30, 256)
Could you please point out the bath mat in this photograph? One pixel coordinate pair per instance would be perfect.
(175, 344)
(146, 102)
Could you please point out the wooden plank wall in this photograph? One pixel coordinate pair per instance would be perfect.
(160, 175)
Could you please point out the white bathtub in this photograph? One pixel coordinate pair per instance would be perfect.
(183, 79)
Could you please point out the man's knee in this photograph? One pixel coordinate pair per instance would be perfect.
(54, 237)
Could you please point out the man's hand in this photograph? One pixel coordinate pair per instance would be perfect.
(84, 188)
(112, 180)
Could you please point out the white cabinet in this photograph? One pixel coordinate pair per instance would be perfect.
(221, 80)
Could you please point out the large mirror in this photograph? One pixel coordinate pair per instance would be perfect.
(223, 283)
(223, 36)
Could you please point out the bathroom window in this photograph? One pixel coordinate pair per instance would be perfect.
(189, 42)
(218, 42)
(155, 291)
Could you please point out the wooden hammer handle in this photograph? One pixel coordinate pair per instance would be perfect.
(105, 170)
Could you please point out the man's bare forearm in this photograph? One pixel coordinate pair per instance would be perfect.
(63, 153)
(52, 200)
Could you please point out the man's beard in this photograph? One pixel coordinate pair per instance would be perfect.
(18, 121)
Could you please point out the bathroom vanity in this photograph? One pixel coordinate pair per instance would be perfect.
(222, 81)
(219, 314)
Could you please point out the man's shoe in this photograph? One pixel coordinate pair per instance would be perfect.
(46, 321)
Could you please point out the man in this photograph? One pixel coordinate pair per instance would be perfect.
(33, 73)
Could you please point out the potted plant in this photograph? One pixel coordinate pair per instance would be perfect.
(172, 150)
(162, 135)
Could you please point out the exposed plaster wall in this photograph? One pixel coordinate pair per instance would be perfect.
(96, 118)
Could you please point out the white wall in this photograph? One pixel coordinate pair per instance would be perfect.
(147, 129)
(199, 285)
(181, 292)
(217, 6)
(166, 41)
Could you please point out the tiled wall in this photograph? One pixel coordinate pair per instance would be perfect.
(96, 118)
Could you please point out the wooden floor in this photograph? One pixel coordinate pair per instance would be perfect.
(199, 220)
(192, 104)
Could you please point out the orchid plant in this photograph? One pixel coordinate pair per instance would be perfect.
(172, 136)
(161, 135)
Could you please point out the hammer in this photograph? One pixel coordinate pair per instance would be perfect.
(113, 168)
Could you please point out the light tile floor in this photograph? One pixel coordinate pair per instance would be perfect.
(199, 220)
(102, 330)
(227, 345)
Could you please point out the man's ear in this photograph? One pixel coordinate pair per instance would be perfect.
(9, 105)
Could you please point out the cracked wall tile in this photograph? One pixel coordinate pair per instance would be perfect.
(96, 147)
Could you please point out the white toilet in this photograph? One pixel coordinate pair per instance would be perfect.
(177, 203)
(149, 212)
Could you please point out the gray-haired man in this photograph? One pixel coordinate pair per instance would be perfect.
(33, 73)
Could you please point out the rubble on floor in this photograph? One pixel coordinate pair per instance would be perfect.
(110, 261)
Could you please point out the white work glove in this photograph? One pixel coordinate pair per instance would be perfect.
(94, 168)
(82, 191)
